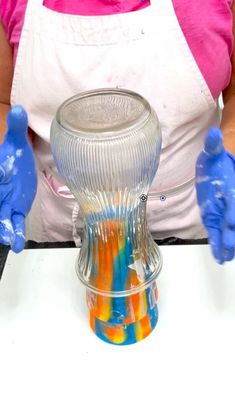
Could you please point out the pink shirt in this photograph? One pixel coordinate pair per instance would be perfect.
(206, 24)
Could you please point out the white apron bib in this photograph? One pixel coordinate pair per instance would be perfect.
(61, 55)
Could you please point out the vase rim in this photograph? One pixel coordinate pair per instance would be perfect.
(101, 131)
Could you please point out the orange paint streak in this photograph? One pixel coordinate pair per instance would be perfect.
(92, 320)
(107, 250)
(133, 307)
(133, 279)
(115, 334)
(142, 328)
(146, 327)
(103, 308)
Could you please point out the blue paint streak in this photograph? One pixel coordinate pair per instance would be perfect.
(129, 329)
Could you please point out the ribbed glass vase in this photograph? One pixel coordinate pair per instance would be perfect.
(106, 144)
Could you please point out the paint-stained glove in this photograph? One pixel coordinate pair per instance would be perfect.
(18, 180)
(215, 185)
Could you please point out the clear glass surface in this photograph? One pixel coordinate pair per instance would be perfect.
(106, 144)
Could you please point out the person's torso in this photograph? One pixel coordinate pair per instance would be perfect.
(61, 55)
(145, 50)
(207, 26)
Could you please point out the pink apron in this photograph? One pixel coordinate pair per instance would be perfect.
(61, 55)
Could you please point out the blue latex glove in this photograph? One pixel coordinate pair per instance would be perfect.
(215, 185)
(18, 180)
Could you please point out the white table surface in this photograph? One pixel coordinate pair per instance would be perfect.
(46, 345)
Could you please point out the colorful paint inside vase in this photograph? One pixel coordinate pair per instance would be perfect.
(116, 267)
(123, 320)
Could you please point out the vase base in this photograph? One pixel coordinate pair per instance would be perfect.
(125, 334)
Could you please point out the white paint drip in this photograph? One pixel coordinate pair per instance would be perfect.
(206, 153)
(217, 183)
(9, 164)
(205, 205)
(202, 179)
(20, 234)
(233, 193)
(8, 227)
(7, 240)
(138, 267)
(219, 195)
(7, 224)
(19, 152)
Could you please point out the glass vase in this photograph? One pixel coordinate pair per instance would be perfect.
(106, 144)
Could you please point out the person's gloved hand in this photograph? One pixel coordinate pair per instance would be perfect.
(215, 185)
(18, 180)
